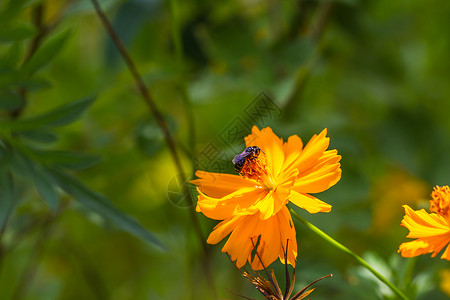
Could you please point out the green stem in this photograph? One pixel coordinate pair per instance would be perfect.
(349, 252)
(409, 272)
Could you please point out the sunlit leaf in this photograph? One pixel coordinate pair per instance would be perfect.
(102, 206)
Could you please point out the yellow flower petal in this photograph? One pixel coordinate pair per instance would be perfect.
(272, 146)
(218, 185)
(241, 202)
(320, 180)
(445, 281)
(270, 235)
(253, 205)
(422, 224)
(287, 231)
(239, 244)
(292, 150)
(223, 229)
(274, 235)
(266, 206)
(431, 230)
(312, 152)
(308, 202)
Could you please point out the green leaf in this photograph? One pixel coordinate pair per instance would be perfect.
(101, 205)
(46, 53)
(8, 76)
(39, 136)
(65, 114)
(16, 161)
(67, 159)
(60, 116)
(13, 56)
(43, 181)
(7, 201)
(11, 9)
(12, 79)
(17, 33)
(10, 101)
(31, 83)
(45, 185)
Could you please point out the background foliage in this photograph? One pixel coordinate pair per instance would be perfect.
(86, 209)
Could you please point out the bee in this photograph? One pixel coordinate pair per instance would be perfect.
(249, 153)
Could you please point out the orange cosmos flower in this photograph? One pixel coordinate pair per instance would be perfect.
(252, 204)
(431, 231)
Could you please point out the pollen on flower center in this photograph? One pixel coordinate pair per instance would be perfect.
(440, 203)
(255, 168)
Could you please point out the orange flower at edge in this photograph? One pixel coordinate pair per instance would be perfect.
(431, 230)
(254, 209)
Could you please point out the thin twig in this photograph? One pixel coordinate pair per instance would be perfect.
(37, 15)
(286, 269)
(306, 287)
(165, 129)
(240, 295)
(264, 267)
(155, 111)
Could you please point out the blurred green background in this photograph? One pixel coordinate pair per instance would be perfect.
(375, 73)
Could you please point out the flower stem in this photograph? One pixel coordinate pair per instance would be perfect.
(349, 252)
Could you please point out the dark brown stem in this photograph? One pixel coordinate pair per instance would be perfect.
(164, 127)
(286, 269)
(182, 86)
(264, 267)
(324, 16)
(37, 16)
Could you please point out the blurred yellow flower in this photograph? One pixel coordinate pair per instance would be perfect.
(445, 281)
(431, 231)
(252, 204)
(388, 193)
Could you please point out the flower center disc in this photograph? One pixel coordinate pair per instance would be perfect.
(440, 203)
(255, 168)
